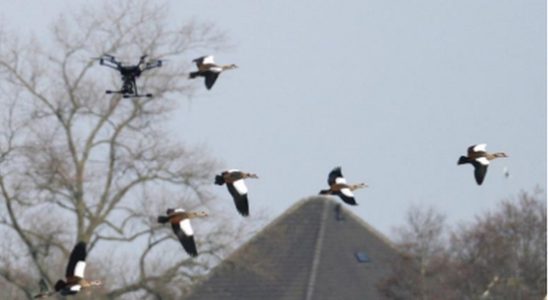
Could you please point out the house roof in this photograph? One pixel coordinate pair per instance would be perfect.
(316, 250)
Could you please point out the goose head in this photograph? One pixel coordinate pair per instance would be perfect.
(500, 154)
(95, 283)
(251, 175)
(197, 214)
(229, 67)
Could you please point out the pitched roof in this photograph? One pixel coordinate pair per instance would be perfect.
(309, 252)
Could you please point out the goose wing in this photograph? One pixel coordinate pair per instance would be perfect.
(347, 196)
(210, 78)
(477, 148)
(171, 211)
(480, 169)
(238, 190)
(207, 59)
(335, 176)
(74, 289)
(185, 234)
(77, 261)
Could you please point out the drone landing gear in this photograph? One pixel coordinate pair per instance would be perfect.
(125, 94)
(138, 96)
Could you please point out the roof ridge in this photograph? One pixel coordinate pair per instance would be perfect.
(304, 266)
(273, 223)
(255, 236)
(317, 253)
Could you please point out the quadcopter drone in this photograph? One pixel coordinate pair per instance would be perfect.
(129, 74)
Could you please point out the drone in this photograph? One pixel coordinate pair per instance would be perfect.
(129, 74)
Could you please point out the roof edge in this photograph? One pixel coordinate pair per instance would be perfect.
(325, 200)
(273, 223)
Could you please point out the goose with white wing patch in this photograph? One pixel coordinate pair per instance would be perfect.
(234, 180)
(479, 158)
(75, 273)
(338, 186)
(180, 222)
(208, 69)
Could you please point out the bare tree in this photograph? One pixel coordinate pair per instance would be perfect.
(502, 255)
(419, 272)
(76, 164)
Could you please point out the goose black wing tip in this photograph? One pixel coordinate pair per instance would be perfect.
(347, 200)
(479, 173)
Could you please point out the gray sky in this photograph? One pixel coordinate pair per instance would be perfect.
(392, 91)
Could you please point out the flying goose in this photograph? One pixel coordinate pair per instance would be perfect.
(180, 222)
(339, 187)
(208, 69)
(479, 158)
(234, 180)
(75, 273)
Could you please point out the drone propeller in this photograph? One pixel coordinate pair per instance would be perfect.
(157, 63)
(104, 56)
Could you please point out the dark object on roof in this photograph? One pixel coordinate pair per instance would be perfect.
(362, 257)
(304, 254)
(338, 212)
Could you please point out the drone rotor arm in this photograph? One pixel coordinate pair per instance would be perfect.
(152, 65)
(111, 64)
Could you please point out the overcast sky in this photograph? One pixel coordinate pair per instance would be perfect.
(392, 91)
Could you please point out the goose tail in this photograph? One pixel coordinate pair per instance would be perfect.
(462, 160)
(163, 219)
(219, 180)
(325, 192)
(59, 285)
(193, 75)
